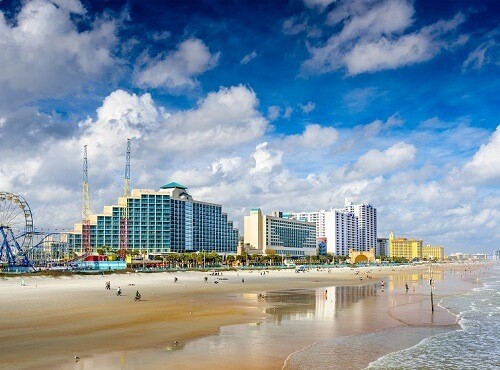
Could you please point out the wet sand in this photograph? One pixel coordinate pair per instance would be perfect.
(50, 320)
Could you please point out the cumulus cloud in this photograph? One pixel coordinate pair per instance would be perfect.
(380, 162)
(44, 54)
(266, 159)
(307, 108)
(226, 166)
(314, 136)
(178, 69)
(224, 118)
(484, 166)
(372, 38)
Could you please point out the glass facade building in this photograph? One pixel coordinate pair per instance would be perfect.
(163, 221)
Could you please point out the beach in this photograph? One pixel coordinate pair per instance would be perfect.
(48, 321)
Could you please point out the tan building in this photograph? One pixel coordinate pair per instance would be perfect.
(283, 235)
(433, 252)
(406, 248)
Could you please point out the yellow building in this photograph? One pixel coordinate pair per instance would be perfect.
(254, 235)
(406, 248)
(433, 252)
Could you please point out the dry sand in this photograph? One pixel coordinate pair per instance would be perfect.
(47, 322)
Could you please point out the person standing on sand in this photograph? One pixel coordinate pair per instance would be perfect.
(406, 287)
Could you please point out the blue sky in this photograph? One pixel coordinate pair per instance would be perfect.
(290, 105)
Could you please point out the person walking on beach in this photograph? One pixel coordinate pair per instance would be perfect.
(406, 286)
(175, 279)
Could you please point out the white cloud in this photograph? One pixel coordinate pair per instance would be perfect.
(314, 136)
(371, 20)
(307, 108)
(273, 112)
(225, 166)
(485, 164)
(288, 112)
(358, 99)
(178, 69)
(73, 6)
(381, 162)
(247, 58)
(481, 55)
(372, 38)
(266, 159)
(460, 211)
(318, 3)
(43, 54)
(389, 54)
(294, 25)
(222, 119)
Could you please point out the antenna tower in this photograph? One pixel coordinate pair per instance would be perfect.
(122, 252)
(86, 247)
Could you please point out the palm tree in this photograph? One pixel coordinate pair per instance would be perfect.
(230, 260)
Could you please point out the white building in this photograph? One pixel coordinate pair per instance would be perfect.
(341, 232)
(318, 218)
(352, 227)
(367, 224)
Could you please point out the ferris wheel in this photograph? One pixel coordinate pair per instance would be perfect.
(16, 229)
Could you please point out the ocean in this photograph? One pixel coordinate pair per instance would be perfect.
(476, 345)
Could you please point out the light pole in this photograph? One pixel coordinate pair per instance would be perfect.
(430, 284)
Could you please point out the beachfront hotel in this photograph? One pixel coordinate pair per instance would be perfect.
(280, 233)
(405, 248)
(367, 224)
(352, 227)
(161, 221)
(433, 252)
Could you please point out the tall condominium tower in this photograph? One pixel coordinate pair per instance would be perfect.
(338, 226)
(367, 224)
(341, 232)
(352, 227)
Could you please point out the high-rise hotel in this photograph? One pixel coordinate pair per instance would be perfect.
(163, 221)
(279, 233)
(352, 227)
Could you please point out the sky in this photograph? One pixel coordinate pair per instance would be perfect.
(289, 105)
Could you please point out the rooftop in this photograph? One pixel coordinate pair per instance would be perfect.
(172, 185)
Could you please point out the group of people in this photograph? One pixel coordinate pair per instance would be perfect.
(119, 291)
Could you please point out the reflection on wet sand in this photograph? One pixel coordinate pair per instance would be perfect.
(321, 303)
(414, 280)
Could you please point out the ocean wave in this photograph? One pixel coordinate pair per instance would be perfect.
(474, 346)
